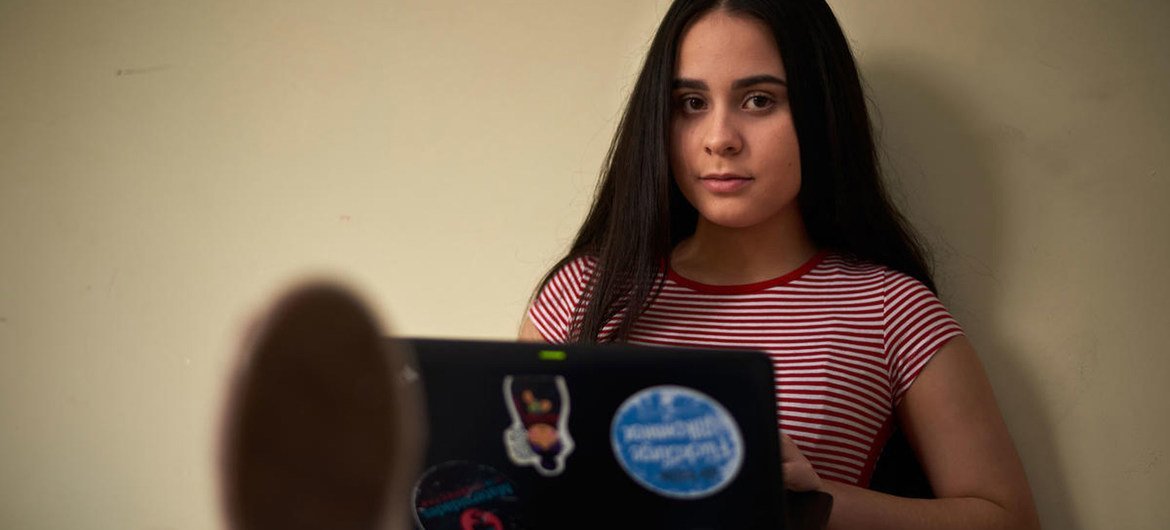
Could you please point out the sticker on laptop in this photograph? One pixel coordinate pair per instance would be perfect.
(677, 442)
(539, 433)
(465, 496)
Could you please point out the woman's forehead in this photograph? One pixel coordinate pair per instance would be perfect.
(724, 46)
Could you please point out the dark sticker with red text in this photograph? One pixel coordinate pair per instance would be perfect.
(539, 433)
(465, 496)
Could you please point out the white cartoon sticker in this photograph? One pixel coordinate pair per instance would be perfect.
(539, 433)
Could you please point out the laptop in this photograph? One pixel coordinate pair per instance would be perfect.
(539, 436)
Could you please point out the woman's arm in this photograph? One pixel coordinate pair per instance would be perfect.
(528, 331)
(951, 418)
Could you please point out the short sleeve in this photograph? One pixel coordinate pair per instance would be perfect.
(554, 308)
(917, 325)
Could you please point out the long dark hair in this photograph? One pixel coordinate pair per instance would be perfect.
(639, 214)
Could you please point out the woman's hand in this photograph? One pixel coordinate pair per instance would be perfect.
(798, 471)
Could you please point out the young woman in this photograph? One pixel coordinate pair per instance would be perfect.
(741, 206)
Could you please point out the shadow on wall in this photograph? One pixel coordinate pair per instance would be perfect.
(942, 172)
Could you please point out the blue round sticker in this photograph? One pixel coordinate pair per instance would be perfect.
(677, 442)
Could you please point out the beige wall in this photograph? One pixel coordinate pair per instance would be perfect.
(1030, 140)
(165, 166)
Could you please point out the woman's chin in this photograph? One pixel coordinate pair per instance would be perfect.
(732, 219)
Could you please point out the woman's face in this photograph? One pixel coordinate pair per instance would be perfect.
(733, 148)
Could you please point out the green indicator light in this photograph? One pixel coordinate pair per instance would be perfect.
(552, 355)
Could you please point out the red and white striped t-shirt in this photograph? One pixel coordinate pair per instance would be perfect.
(847, 339)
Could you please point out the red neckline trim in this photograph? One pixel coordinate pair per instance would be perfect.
(749, 287)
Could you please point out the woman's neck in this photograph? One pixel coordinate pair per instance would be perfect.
(718, 255)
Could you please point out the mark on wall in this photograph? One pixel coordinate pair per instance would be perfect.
(345, 218)
(1147, 465)
(141, 70)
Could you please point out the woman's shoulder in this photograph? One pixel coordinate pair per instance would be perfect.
(910, 306)
(578, 268)
(843, 267)
(554, 307)
(567, 281)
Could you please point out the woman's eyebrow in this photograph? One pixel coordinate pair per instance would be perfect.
(758, 80)
(695, 84)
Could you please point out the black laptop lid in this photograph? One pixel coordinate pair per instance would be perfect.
(536, 436)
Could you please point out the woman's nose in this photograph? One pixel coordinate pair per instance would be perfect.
(722, 136)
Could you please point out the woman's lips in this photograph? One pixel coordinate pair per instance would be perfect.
(725, 183)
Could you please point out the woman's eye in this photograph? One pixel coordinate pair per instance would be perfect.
(692, 104)
(758, 102)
